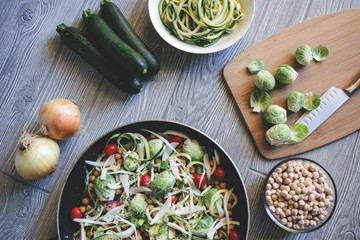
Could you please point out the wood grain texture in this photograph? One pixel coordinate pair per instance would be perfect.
(36, 67)
(340, 32)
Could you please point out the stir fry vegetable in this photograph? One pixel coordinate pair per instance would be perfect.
(198, 21)
(155, 186)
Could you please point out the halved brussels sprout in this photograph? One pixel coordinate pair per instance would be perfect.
(303, 54)
(295, 101)
(259, 100)
(320, 53)
(265, 80)
(278, 134)
(137, 205)
(162, 184)
(103, 192)
(155, 146)
(130, 162)
(312, 101)
(256, 66)
(298, 132)
(203, 226)
(275, 114)
(286, 74)
(194, 149)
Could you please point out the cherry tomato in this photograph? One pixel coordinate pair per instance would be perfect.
(175, 139)
(145, 180)
(111, 149)
(173, 199)
(219, 173)
(197, 180)
(234, 235)
(111, 205)
(76, 213)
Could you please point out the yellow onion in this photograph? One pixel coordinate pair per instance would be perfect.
(59, 119)
(36, 156)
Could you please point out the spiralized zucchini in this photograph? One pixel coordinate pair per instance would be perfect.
(200, 21)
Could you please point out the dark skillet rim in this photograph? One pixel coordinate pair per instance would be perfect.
(307, 230)
(159, 121)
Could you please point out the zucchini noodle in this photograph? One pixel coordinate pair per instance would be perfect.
(202, 22)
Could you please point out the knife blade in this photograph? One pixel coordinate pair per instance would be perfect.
(331, 101)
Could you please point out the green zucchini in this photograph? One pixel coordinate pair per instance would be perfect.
(116, 20)
(75, 40)
(115, 48)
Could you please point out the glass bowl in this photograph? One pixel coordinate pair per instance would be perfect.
(307, 213)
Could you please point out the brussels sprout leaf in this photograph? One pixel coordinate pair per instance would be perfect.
(255, 66)
(320, 52)
(312, 101)
(298, 132)
(259, 100)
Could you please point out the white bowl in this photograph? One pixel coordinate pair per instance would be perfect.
(225, 41)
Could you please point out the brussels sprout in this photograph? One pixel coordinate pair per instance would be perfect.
(312, 101)
(298, 132)
(320, 52)
(100, 234)
(259, 100)
(207, 198)
(137, 206)
(275, 114)
(130, 162)
(295, 101)
(303, 54)
(102, 190)
(204, 224)
(278, 134)
(155, 146)
(256, 66)
(162, 184)
(265, 80)
(193, 148)
(286, 74)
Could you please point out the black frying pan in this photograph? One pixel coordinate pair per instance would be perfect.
(74, 185)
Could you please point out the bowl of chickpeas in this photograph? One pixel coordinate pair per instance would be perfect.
(299, 195)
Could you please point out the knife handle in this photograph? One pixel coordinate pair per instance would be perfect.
(355, 85)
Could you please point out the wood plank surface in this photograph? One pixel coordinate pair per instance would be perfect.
(340, 32)
(36, 67)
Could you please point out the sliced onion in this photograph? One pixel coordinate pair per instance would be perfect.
(146, 145)
(217, 158)
(168, 151)
(173, 167)
(136, 190)
(83, 233)
(207, 165)
(161, 138)
(98, 214)
(177, 227)
(219, 209)
(132, 227)
(186, 210)
(206, 190)
(121, 171)
(125, 234)
(176, 133)
(214, 229)
(84, 220)
(125, 182)
(110, 215)
(226, 200)
(163, 210)
(111, 159)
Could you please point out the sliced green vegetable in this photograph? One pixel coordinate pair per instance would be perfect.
(298, 132)
(256, 66)
(103, 192)
(130, 162)
(320, 53)
(162, 184)
(265, 80)
(259, 100)
(312, 101)
(295, 101)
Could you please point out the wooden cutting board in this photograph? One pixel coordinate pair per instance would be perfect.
(340, 33)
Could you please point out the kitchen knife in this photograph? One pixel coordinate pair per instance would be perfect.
(330, 102)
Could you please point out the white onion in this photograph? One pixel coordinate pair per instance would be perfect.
(60, 119)
(36, 156)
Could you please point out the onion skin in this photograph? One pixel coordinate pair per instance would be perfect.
(38, 159)
(60, 119)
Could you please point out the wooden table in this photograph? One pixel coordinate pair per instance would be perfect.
(35, 67)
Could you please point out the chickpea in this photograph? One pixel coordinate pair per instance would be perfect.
(82, 209)
(96, 173)
(221, 235)
(85, 201)
(117, 156)
(91, 185)
(88, 207)
(120, 150)
(92, 178)
(151, 207)
(222, 185)
(192, 170)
